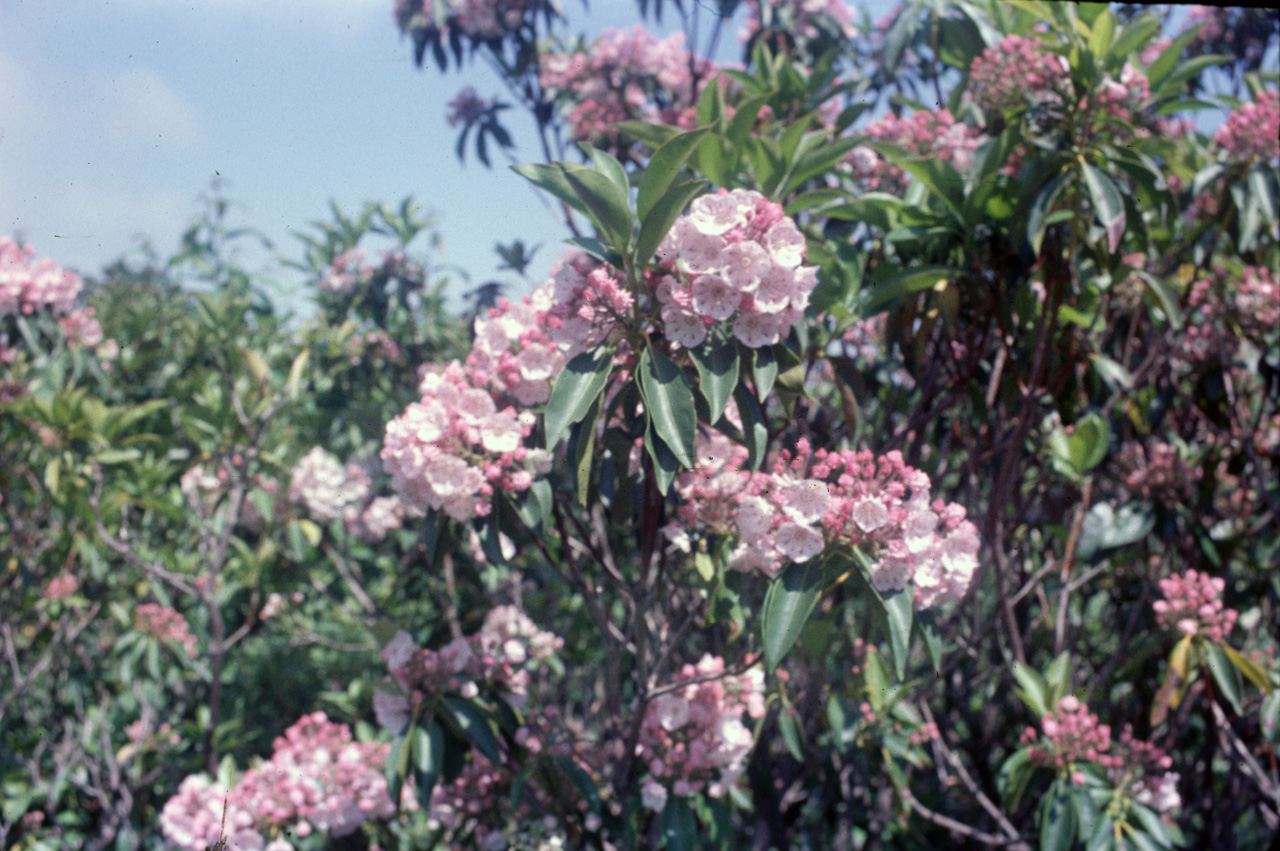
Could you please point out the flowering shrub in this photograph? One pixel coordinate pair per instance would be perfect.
(317, 779)
(818, 466)
(625, 74)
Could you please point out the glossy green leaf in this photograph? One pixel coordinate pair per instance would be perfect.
(755, 433)
(657, 222)
(912, 280)
(428, 759)
(606, 203)
(575, 390)
(1057, 819)
(1032, 689)
(787, 605)
(717, 363)
(1252, 671)
(669, 402)
(679, 825)
(898, 608)
(1108, 205)
(551, 178)
(1015, 774)
(1225, 675)
(663, 167)
(471, 724)
(938, 175)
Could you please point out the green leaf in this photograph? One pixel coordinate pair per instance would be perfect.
(1103, 834)
(764, 370)
(912, 280)
(310, 531)
(575, 390)
(669, 403)
(1089, 441)
(897, 607)
(551, 178)
(787, 605)
(397, 767)
(606, 203)
(653, 135)
(755, 434)
(679, 826)
(656, 224)
(717, 363)
(878, 679)
(1225, 675)
(927, 626)
(665, 463)
(1033, 688)
(1013, 778)
(1057, 819)
(605, 164)
(582, 452)
(471, 724)
(1108, 205)
(792, 736)
(1102, 31)
(663, 167)
(1170, 86)
(1264, 191)
(938, 175)
(299, 366)
(428, 759)
(1252, 670)
(1038, 212)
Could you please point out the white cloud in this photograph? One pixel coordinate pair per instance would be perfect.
(137, 107)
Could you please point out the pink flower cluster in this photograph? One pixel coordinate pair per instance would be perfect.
(585, 301)
(1015, 74)
(1120, 99)
(692, 739)
(81, 327)
(324, 487)
(61, 587)
(1224, 310)
(813, 500)
(734, 258)
(465, 108)
(499, 657)
(481, 20)
(625, 74)
(165, 624)
(318, 779)
(349, 273)
(453, 449)
(1252, 132)
(513, 352)
(1071, 735)
(1157, 473)
(1193, 605)
(28, 284)
(935, 135)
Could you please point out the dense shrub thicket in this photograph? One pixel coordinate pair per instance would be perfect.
(898, 483)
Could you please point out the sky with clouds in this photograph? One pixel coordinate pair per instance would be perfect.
(116, 116)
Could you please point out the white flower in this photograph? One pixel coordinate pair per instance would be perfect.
(653, 795)
(798, 543)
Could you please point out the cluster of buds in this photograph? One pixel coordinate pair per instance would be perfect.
(1015, 74)
(317, 779)
(1193, 605)
(1252, 132)
(481, 20)
(625, 74)
(692, 739)
(165, 624)
(935, 135)
(1072, 735)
